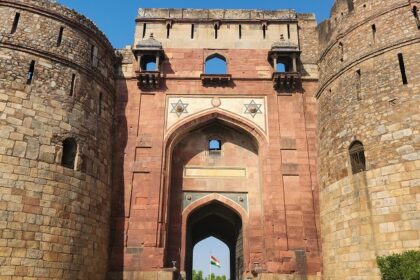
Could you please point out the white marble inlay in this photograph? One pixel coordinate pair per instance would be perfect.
(241, 106)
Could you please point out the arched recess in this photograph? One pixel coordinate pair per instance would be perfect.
(198, 223)
(174, 136)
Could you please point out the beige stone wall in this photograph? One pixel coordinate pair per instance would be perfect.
(54, 221)
(369, 214)
(362, 97)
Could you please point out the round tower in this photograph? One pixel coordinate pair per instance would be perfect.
(56, 102)
(369, 145)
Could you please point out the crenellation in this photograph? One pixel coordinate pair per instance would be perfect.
(215, 14)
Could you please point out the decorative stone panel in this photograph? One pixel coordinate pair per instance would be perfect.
(250, 108)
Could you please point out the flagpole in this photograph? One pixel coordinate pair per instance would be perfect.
(210, 268)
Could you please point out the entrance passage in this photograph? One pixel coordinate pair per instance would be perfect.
(219, 221)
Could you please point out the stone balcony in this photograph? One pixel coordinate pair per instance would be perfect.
(149, 80)
(286, 81)
(216, 80)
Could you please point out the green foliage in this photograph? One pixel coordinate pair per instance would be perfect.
(198, 275)
(405, 266)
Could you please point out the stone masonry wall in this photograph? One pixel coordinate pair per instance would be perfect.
(54, 221)
(362, 97)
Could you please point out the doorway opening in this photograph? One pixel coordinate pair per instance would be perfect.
(211, 260)
(218, 221)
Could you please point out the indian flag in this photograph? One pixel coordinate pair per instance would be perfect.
(214, 261)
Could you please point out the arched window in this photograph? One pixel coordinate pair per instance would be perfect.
(69, 153)
(357, 157)
(216, 64)
(148, 63)
(215, 145)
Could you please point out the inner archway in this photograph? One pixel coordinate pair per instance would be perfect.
(221, 222)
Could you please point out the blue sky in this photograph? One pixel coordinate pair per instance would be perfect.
(116, 17)
(216, 248)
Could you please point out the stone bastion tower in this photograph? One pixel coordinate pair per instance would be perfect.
(56, 106)
(368, 134)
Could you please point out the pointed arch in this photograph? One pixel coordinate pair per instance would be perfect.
(215, 64)
(232, 212)
(229, 119)
(174, 136)
(357, 157)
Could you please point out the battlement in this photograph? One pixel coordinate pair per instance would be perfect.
(217, 14)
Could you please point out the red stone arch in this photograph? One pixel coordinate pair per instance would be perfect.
(230, 119)
(172, 138)
(206, 200)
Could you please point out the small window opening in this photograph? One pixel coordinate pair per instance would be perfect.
(357, 157)
(100, 104)
(341, 50)
(94, 56)
(358, 84)
(168, 30)
(215, 145)
(264, 31)
(73, 84)
(69, 153)
(374, 33)
(215, 64)
(215, 31)
(31, 71)
(402, 69)
(60, 36)
(144, 29)
(240, 31)
(192, 31)
(288, 31)
(148, 63)
(416, 16)
(15, 23)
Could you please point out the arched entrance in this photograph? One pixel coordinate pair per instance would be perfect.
(214, 170)
(218, 220)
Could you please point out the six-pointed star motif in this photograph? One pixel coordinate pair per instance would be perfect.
(179, 108)
(253, 108)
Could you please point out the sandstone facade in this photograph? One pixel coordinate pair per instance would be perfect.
(264, 175)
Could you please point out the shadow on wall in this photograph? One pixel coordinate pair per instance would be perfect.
(118, 212)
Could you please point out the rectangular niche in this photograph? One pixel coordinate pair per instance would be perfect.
(215, 172)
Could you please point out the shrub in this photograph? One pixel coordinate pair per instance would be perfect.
(405, 266)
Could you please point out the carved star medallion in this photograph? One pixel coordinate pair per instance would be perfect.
(253, 108)
(179, 108)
